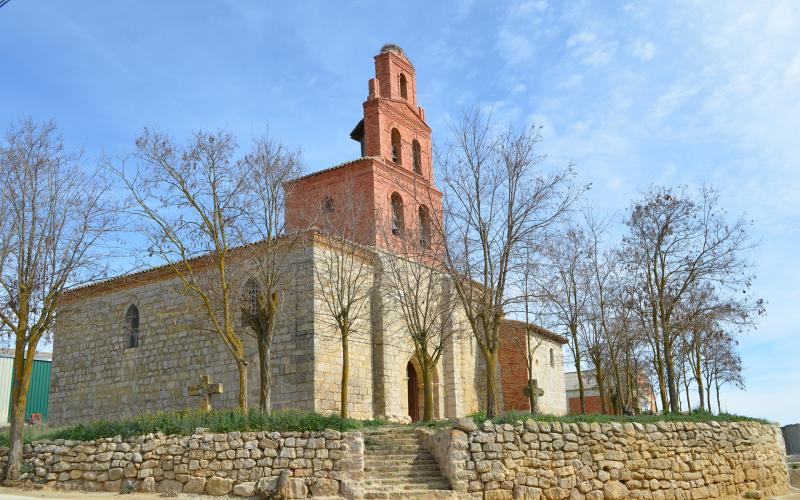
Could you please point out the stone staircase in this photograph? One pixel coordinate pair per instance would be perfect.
(397, 465)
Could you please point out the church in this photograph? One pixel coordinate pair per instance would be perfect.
(118, 349)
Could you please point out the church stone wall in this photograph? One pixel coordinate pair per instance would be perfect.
(328, 349)
(94, 374)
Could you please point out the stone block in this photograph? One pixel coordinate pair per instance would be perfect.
(218, 486)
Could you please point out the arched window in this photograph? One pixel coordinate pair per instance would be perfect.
(396, 146)
(132, 327)
(552, 359)
(417, 153)
(398, 223)
(403, 86)
(424, 227)
(251, 291)
(328, 207)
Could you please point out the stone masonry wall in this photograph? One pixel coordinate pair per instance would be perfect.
(243, 464)
(664, 460)
(95, 375)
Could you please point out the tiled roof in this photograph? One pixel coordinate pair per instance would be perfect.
(340, 165)
(544, 332)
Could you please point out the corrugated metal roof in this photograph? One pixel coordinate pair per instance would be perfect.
(5, 352)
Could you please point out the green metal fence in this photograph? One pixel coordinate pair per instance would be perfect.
(38, 391)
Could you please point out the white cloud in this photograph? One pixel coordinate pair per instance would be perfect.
(582, 38)
(515, 46)
(643, 50)
(588, 48)
(673, 98)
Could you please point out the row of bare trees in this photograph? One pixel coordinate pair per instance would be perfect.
(662, 297)
(509, 243)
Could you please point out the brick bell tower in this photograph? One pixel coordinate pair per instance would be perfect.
(386, 198)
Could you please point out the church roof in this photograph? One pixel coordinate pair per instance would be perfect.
(340, 165)
(540, 330)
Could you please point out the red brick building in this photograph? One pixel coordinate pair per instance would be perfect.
(387, 195)
(548, 366)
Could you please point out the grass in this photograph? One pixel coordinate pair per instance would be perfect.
(696, 416)
(185, 423)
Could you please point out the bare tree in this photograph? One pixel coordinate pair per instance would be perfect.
(192, 200)
(53, 215)
(343, 274)
(722, 364)
(424, 299)
(530, 299)
(563, 284)
(496, 199)
(269, 168)
(675, 241)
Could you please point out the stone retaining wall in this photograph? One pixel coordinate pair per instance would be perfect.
(664, 460)
(245, 464)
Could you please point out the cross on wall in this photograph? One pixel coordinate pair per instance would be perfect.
(205, 389)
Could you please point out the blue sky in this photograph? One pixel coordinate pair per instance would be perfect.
(632, 93)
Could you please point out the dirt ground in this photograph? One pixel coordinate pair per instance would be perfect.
(23, 494)
(27, 494)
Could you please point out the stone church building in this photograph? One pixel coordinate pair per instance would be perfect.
(119, 349)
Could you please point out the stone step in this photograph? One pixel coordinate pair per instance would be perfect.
(391, 441)
(403, 450)
(409, 442)
(421, 451)
(393, 446)
(405, 471)
(400, 465)
(415, 494)
(398, 486)
(427, 468)
(400, 462)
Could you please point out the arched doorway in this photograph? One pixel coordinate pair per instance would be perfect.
(413, 392)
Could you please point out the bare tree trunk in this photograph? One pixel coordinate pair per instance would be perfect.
(573, 329)
(669, 362)
(265, 352)
(686, 387)
(658, 365)
(599, 375)
(19, 398)
(265, 374)
(719, 406)
(242, 365)
(618, 382)
(345, 374)
(492, 403)
(699, 377)
(531, 391)
(427, 393)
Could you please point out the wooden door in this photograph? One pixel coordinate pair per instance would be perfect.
(413, 392)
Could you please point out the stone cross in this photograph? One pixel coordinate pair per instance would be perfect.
(205, 389)
(537, 392)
